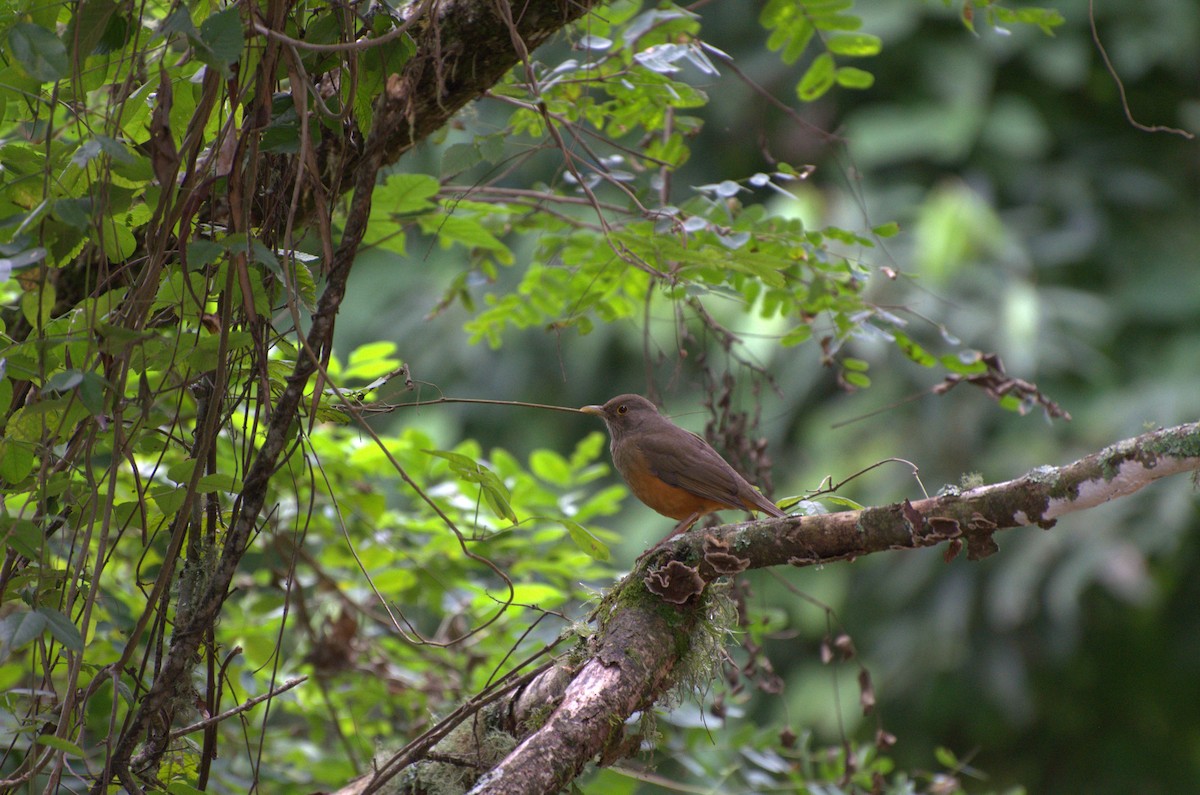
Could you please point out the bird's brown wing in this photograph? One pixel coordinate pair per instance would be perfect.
(684, 460)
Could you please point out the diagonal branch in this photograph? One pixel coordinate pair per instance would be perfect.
(464, 47)
(642, 640)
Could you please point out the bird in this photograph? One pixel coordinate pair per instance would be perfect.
(672, 470)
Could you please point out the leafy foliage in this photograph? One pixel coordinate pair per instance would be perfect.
(169, 204)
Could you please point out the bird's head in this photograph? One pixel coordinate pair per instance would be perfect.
(624, 413)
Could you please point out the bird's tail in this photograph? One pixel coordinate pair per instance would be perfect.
(757, 502)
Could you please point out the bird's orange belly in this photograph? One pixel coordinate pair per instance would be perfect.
(670, 500)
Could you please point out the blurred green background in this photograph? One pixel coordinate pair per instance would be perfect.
(1037, 223)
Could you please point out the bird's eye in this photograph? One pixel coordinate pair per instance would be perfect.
(622, 409)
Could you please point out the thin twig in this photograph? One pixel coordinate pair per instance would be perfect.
(1112, 71)
(229, 713)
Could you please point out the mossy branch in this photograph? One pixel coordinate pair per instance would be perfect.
(647, 622)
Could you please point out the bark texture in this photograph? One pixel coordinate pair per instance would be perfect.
(650, 623)
(463, 47)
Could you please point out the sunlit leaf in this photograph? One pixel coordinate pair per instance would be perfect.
(584, 539)
(66, 746)
(20, 628)
(854, 44)
(818, 78)
(850, 77)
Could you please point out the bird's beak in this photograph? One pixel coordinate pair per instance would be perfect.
(597, 410)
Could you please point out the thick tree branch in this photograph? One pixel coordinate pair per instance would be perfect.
(464, 47)
(642, 638)
(970, 517)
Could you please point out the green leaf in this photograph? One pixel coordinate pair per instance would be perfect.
(588, 449)
(218, 482)
(468, 231)
(371, 361)
(841, 502)
(205, 354)
(332, 413)
(88, 26)
(818, 79)
(91, 393)
(946, 757)
(539, 594)
(839, 22)
(221, 37)
(791, 27)
(203, 252)
(168, 499)
(765, 268)
(1045, 18)
(914, 351)
(966, 363)
(550, 467)
(178, 21)
(855, 365)
(63, 381)
(967, 15)
(119, 242)
(491, 147)
(800, 34)
(858, 45)
(495, 493)
(1013, 403)
(799, 334)
(497, 496)
(181, 471)
(460, 157)
(265, 256)
(890, 229)
(39, 52)
(75, 213)
(857, 379)
(62, 629)
(594, 547)
(851, 77)
(302, 280)
(21, 535)
(115, 149)
(37, 304)
(406, 194)
(58, 743)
